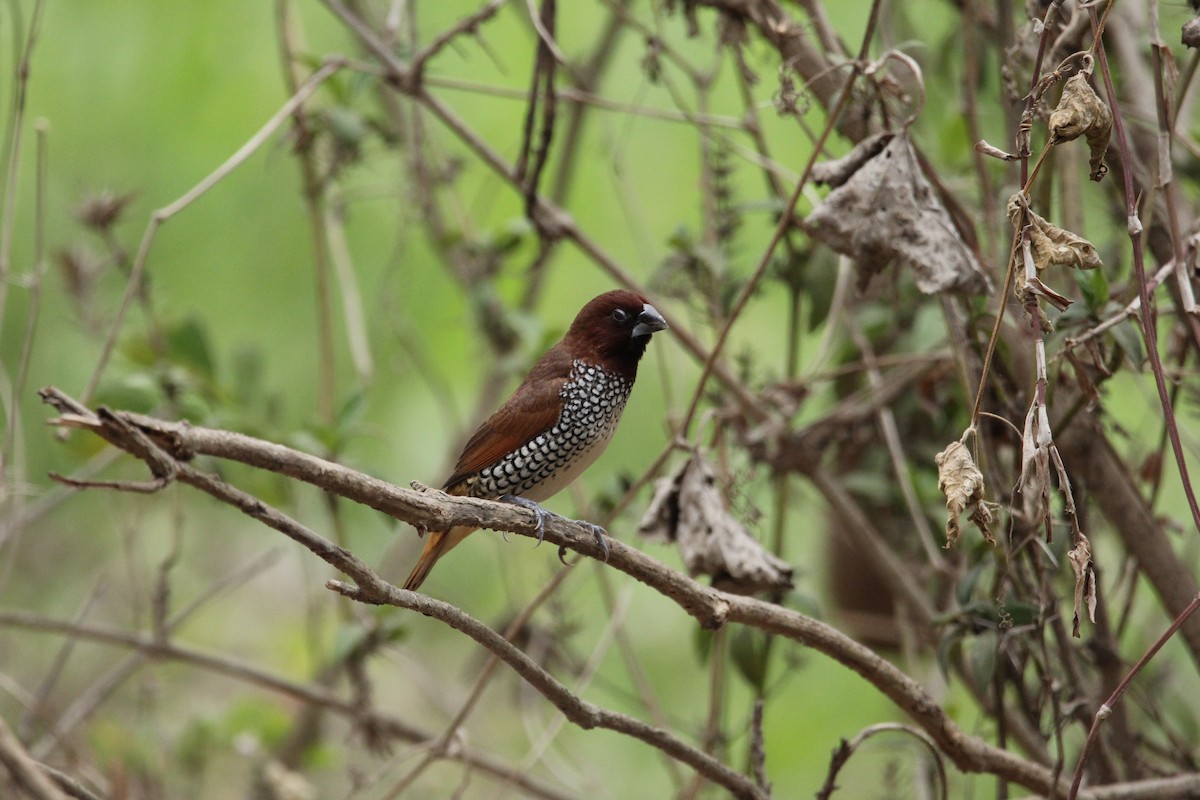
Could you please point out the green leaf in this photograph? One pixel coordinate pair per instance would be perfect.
(948, 647)
(350, 414)
(1128, 337)
(751, 652)
(966, 587)
(135, 391)
(187, 344)
(1093, 284)
(981, 663)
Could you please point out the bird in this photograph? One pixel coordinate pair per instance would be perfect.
(557, 422)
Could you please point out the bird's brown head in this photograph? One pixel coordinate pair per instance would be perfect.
(613, 331)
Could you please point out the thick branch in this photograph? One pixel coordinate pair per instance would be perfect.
(435, 510)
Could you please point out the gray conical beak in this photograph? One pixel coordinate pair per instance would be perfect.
(649, 321)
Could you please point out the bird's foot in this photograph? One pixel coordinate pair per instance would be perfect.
(600, 534)
(539, 512)
(542, 515)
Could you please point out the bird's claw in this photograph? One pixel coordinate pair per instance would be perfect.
(542, 515)
(600, 534)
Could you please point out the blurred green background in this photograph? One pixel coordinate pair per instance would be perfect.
(141, 101)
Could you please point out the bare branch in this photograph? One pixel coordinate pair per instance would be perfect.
(434, 510)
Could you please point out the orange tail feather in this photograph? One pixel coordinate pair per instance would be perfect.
(436, 545)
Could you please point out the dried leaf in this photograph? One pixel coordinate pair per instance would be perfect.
(1034, 483)
(1051, 244)
(962, 484)
(837, 171)
(1189, 35)
(1081, 112)
(887, 211)
(1055, 299)
(995, 152)
(689, 509)
(1080, 557)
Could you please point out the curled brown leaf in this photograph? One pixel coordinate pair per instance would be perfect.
(1081, 112)
(960, 480)
(1051, 244)
(689, 509)
(1080, 557)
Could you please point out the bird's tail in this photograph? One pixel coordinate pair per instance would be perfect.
(436, 545)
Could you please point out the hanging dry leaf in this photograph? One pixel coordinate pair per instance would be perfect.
(688, 509)
(837, 171)
(1080, 557)
(962, 484)
(1034, 482)
(1081, 113)
(886, 211)
(1051, 244)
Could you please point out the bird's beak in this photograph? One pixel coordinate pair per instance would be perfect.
(649, 321)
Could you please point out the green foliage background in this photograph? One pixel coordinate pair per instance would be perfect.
(145, 99)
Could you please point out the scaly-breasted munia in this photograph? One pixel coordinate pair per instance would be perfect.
(558, 421)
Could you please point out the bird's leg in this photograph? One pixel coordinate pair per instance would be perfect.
(597, 532)
(542, 515)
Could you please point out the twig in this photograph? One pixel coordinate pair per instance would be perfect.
(758, 749)
(467, 25)
(16, 127)
(584, 714)
(314, 191)
(308, 693)
(1106, 708)
(1147, 318)
(1130, 310)
(786, 220)
(158, 217)
(36, 280)
(25, 771)
(848, 748)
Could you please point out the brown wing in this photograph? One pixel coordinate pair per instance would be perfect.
(533, 409)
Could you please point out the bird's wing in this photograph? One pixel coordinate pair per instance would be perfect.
(533, 409)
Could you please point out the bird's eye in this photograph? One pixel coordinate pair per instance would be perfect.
(620, 315)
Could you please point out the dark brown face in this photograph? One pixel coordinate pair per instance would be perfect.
(613, 331)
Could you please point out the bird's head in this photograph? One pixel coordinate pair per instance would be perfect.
(613, 331)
